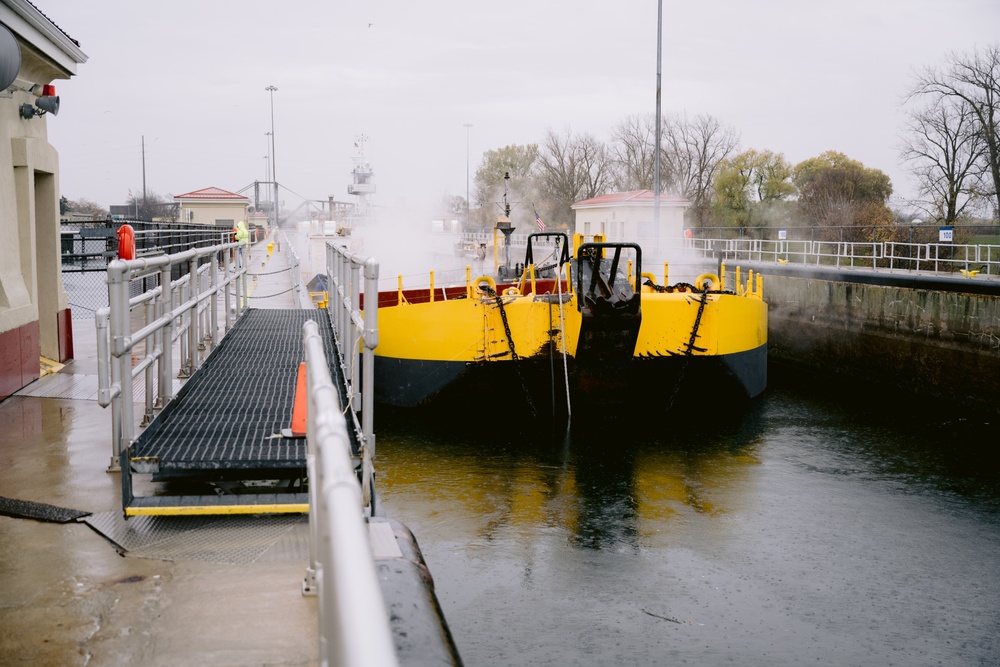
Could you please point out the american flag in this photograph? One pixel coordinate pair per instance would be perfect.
(538, 221)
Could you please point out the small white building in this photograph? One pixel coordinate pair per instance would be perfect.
(628, 217)
(212, 206)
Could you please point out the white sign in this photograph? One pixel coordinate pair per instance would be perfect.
(946, 234)
(782, 234)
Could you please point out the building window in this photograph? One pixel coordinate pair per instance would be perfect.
(586, 228)
(230, 223)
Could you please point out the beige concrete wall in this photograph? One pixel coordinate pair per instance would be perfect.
(207, 213)
(940, 344)
(30, 264)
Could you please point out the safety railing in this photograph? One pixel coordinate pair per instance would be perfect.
(180, 319)
(302, 294)
(970, 260)
(344, 280)
(353, 621)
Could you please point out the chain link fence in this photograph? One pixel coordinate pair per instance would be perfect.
(88, 246)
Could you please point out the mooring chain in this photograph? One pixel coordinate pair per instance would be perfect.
(268, 296)
(510, 342)
(690, 349)
(670, 289)
(270, 273)
(265, 296)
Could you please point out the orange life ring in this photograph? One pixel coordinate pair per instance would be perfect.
(126, 242)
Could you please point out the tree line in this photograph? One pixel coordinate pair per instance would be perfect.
(950, 144)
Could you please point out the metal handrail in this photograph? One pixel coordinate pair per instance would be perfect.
(184, 312)
(353, 621)
(350, 326)
(969, 258)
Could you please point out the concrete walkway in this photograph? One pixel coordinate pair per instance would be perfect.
(68, 597)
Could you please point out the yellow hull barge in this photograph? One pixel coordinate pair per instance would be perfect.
(576, 332)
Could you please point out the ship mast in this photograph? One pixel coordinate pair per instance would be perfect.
(362, 180)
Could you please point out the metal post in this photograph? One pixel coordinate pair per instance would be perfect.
(370, 338)
(193, 327)
(352, 351)
(150, 374)
(213, 282)
(121, 352)
(274, 158)
(656, 157)
(226, 282)
(102, 322)
(167, 357)
(184, 370)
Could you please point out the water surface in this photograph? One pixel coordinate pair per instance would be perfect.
(812, 528)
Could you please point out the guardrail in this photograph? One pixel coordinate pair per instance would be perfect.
(353, 621)
(344, 281)
(968, 259)
(183, 311)
(302, 294)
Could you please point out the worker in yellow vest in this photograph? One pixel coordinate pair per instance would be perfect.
(242, 236)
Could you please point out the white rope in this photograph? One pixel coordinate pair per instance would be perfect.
(562, 330)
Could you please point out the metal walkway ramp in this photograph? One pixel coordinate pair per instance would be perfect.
(222, 433)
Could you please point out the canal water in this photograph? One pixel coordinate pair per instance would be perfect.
(813, 526)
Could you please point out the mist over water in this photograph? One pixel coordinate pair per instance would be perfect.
(815, 526)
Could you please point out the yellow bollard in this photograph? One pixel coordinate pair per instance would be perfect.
(270, 247)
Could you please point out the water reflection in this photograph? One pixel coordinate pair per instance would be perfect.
(811, 518)
(601, 484)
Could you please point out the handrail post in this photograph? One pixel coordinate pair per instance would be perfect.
(213, 316)
(184, 369)
(150, 373)
(108, 386)
(193, 323)
(370, 339)
(118, 281)
(167, 357)
(226, 281)
(352, 351)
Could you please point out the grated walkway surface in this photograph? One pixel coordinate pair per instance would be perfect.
(229, 415)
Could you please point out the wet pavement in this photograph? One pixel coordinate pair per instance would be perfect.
(68, 597)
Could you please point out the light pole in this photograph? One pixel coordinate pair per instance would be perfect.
(274, 157)
(656, 159)
(467, 126)
(267, 172)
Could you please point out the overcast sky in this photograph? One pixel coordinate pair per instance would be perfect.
(792, 76)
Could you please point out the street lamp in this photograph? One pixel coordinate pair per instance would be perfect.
(467, 126)
(274, 157)
(267, 172)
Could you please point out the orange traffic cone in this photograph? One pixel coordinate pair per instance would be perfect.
(299, 407)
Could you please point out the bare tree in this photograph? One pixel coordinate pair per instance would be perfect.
(86, 207)
(152, 206)
(947, 153)
(631, 152)
(691, 154)
(570, 168)
(974, 79)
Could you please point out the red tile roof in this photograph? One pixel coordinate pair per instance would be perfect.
(212, 193)
(633, 197)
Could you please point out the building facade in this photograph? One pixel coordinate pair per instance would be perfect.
(35, 319)
(212, 206)
(629, 217)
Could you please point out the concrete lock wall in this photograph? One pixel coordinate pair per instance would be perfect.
(935, 343)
